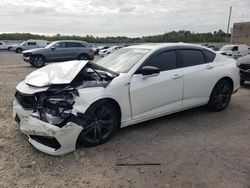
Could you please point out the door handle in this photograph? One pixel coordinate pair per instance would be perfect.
(176, 76)
(209, 66)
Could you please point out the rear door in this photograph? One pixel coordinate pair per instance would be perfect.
(198, 70)
(157, 94)
(74, 49)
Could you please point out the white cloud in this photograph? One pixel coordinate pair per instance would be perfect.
(118, 17)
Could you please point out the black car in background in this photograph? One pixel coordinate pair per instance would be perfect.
(244, 64)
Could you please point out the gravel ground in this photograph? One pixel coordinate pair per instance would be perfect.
(194, 148)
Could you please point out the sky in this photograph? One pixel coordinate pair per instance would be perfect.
(131, 18)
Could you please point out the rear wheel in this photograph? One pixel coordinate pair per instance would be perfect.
(101, 126)
(220, 96)
(83, 57)
(37, 61)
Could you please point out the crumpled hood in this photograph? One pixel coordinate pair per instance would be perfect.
(56, 73)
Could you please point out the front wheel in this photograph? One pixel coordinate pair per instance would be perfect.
(220, 96)
(101, 126)
(19, 50)
(37, 61)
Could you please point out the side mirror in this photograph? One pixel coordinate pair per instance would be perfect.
(53, 48)
(149, 70)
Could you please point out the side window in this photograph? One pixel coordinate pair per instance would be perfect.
(210, 56)
(164, 61)
(79, 45)
(1, 43)
(31, 43)
(74, 45)
(60, 45)
(192, 58)
(235, 48)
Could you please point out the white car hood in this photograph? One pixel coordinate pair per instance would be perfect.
(56, 73)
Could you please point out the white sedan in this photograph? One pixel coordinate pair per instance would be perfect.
(108, 51)
(64, 105)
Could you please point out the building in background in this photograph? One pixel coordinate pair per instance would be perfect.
(241, 33)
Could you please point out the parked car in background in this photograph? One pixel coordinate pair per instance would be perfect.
(234, 51)
(109, 50)
(62, 50)
(29, 44)
(4, 46)
(96, 50)
(63, 105)
(244, 64)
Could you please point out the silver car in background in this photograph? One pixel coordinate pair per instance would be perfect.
(27, 45)
(62, 50)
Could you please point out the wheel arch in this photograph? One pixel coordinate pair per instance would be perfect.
(18, 48)
(87, 55)
(111, 101)
(33, 55)
(230, 80)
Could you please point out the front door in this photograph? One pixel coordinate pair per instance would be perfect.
(157, 94)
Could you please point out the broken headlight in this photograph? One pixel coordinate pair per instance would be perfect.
(57, 107)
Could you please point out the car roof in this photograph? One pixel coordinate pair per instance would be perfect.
(71, 41)
(155, 46)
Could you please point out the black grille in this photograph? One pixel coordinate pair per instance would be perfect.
(26, 101)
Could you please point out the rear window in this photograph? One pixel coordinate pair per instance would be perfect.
(210, 56)
(192, 58)
(74, 45)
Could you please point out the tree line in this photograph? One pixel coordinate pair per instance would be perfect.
(173, 36)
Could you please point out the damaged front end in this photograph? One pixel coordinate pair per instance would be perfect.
(45, 112)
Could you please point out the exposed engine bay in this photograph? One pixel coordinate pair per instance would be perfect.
(54, 105)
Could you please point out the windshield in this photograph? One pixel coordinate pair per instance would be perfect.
(226, 48)
(123, 60)
(23, 43)
(51, 44)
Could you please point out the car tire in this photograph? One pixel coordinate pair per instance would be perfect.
(83, 57)
(220, 96)
(242, 82)
(103, 121)
(38, 61)
(9, 49)
(19, 50)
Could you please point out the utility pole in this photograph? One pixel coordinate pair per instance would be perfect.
(228, 25)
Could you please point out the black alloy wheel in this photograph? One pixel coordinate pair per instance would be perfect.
(102, 124)
(220, 96)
